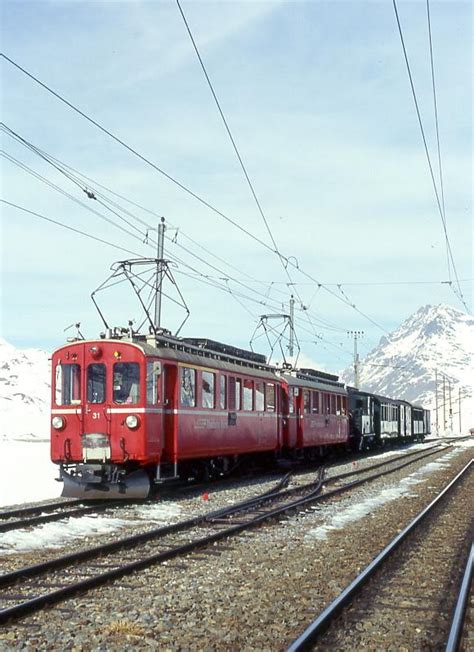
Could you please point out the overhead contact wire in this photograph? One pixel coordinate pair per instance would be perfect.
(69, 228)
(420, 123)
(180, 185)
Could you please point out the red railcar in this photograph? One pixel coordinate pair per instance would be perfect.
(316, 415)
(127, 412)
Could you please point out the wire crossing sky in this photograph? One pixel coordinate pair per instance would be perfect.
(317, 98)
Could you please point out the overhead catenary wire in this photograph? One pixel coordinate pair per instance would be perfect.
(69, 228)
(229, 133)
(63, 192)
(45, 156)
(91, 192)
(47, 159)
(283, 260)
(182, 186)
(435, 108)
(181, 262)
(458, 293)
(120, 248)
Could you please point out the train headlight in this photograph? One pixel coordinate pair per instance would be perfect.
(132, 421)
(58, 423)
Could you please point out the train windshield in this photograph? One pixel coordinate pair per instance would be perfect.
(126, 382)
(67, 384)
(96, 383)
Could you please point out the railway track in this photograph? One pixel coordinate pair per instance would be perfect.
(31, 588)
(407, 593)
(34, 515)
(47, 513)
(461, 634)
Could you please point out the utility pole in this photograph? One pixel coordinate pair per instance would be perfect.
(450, 407)
(436, 402)
(444, 405)
(291, 344)
(460, 426)
(159, 271)
(356, 335)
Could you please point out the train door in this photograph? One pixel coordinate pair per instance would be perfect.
(170, 415)
(287, 407)
(408, 421)
(96, 444)
(68, 402)
(404, 421)
(299, 416)
(154, 408)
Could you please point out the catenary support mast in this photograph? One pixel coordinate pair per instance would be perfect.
(159, 271)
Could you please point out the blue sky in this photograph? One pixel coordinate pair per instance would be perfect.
(318, 99)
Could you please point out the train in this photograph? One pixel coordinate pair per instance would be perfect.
(132, 412)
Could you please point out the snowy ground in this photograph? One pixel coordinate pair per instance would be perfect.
(26, 473)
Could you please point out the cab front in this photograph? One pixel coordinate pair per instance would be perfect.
(98, 427)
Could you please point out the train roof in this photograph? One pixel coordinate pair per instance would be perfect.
(296, 379)
(379, 397)
(225, 349)
(195, 351)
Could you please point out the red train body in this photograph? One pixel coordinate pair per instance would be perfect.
(127, 413)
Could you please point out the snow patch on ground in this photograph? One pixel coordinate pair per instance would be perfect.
(354, 512)
(26, 473)
(57, 534)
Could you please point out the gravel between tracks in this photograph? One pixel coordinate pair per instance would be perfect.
(256, 591)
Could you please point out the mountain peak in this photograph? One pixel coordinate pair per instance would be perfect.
(435, 341)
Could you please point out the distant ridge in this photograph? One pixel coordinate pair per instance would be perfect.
(24, 393)
(403, 364)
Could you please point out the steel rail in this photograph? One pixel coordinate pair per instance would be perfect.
(126, 542)
(322, 622)
(457, 623)
(38, 512)
(101, 578)
(18, 524)
(276, 491)
(38, 602)
(39, 516)
(38, 509)
(331, 479)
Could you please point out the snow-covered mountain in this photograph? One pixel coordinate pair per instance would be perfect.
(24, 393)
(434, 340)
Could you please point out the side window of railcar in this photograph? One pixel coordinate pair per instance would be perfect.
(315, 402)
(96, 383)
(291, 401)
(270, 398)
(338, 404)
(259, 397)
(222, 392)
(327, 403)
(188, 387)
(208, 383)
(126, 382)
(153, 372)
(248, 395)
(238, 392)
(306, 401)
(67, 384)
(231, 393)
